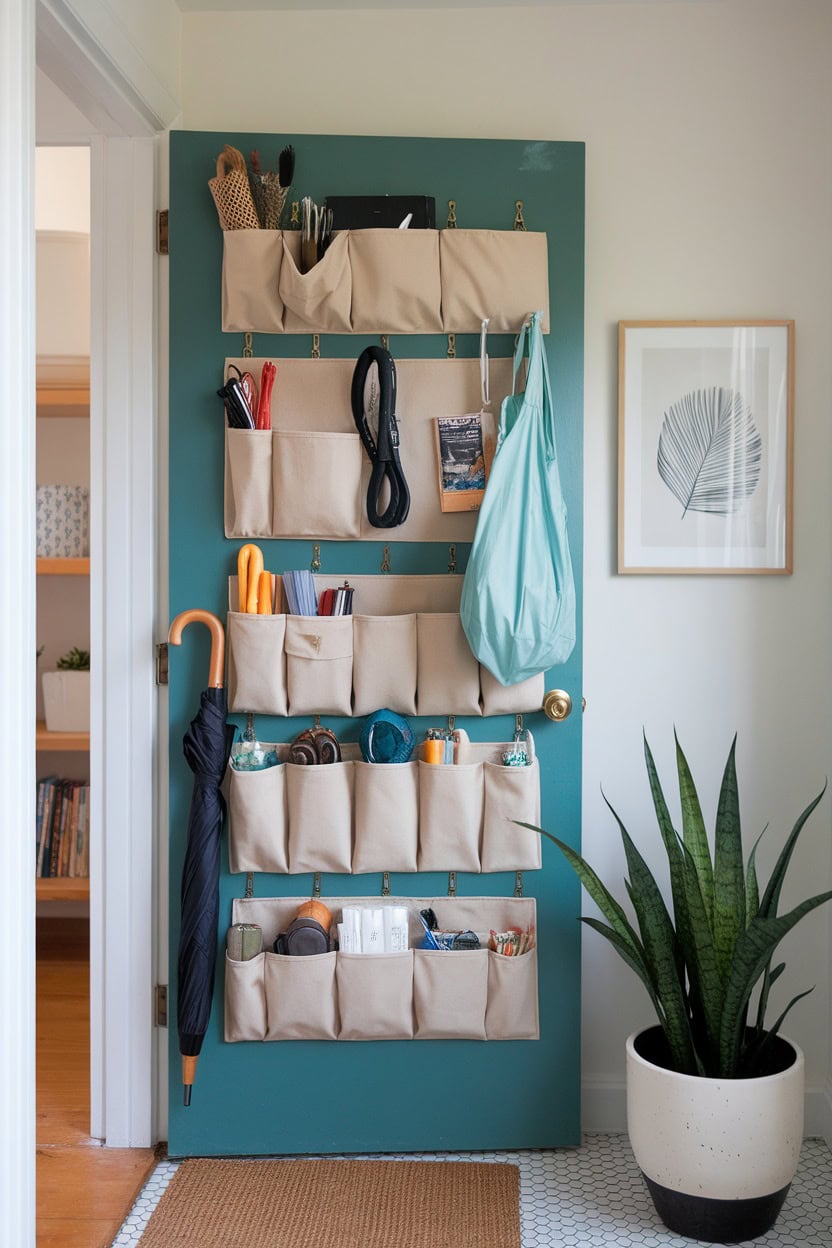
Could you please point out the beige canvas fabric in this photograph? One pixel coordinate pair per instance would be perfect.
(395, 281)
(384, 663)
(318, 301)
(316, 484)
(500, 699)
(251, 264)
(500, 274)
(248, 483)
(300, 997)
(319, 664)
(450, 816)
(320, 817)
(256, 664)
(386, 816)
(245, 1000)
(375, 995)
(448, 673)
(450, 988)
(511, 793)
(258, 820)
(512, 1010)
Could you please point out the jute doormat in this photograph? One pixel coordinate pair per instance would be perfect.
(338, 1204)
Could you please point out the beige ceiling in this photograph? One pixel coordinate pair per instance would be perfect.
(236, 6)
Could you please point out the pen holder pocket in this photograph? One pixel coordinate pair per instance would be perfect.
(511, 793)
(500, 274)
(375, 995)
(251, 264)
(450, 816)
(256, 663)
(300, 997)
(319, 664)
(320, 817)
(384, 663)
(395, 281)
(257, 820)
(248, 483)
(320, 300)
(448, 673)
(386, 817)
(512, 1011)
(450, 990)
(245, 999)
(500, 699)
(316, 484)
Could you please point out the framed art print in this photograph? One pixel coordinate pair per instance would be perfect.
(705, 446)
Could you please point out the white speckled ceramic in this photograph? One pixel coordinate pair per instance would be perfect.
(725, 1139)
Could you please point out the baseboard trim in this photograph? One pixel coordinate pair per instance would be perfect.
(604, 1108)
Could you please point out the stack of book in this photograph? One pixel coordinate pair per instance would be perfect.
(62, 832)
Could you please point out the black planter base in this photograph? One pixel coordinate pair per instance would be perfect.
(716, 1221)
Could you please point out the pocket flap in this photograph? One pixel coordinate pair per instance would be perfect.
(319, 637)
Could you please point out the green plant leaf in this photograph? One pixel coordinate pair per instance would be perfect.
(729, 881)
(693, 832)
(753, 1058)
(703, 969)
(752, 888)
(636, 963)
(771, 897)
(753, 951)
(770, 976)
(674, 859)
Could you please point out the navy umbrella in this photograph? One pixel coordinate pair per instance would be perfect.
(206, 745)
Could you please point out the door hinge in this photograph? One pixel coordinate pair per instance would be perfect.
(161, 1012)
(162, 244)
(162, 663)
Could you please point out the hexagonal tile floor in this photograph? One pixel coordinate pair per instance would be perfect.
(592, 1197)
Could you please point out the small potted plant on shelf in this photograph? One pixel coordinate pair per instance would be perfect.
(714, 1094)
(66, 693)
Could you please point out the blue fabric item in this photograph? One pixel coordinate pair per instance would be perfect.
(518, 598)
(386, 738)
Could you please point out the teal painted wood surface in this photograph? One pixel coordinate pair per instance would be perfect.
(394, 1095)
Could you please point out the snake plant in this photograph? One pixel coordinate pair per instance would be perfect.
(701, 967)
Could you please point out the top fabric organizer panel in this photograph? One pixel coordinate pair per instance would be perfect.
(385, 282)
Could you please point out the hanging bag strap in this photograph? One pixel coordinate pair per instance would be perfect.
(384, 454)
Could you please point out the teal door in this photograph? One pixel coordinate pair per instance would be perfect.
(396, 1095)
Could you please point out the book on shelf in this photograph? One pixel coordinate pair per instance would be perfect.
(62, 828)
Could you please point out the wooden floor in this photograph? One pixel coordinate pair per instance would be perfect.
(84, 1191)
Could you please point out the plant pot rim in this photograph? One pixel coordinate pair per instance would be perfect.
(759, 1080)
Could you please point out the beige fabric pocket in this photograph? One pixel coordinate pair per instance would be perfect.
(448, 673)
(317, 301)
(450, 816)
(512, 1011)
(316, 484)
(257, 820)
(248, 483)
(500, 274)
(384, 663)
(251, 264)
(375, 995)
(395, 281)
(386, 817)
(450, 989)
(256, 664)
(500, 699)
(319, 664)
(245, 999)
(320, 817)
(300, 997)
(511, 793)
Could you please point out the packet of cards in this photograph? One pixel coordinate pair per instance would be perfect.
(513, 942)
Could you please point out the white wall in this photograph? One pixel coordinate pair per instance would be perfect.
(709, 194)
(62, 185)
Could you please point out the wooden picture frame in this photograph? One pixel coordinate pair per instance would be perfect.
(705, 447)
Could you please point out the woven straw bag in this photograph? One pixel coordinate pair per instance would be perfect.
(232, 193)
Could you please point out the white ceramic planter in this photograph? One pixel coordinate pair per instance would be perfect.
(66, 701)
(718, 1155)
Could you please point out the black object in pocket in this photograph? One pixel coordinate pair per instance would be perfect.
(303, 936)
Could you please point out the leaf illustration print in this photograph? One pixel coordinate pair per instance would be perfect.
(710, 452)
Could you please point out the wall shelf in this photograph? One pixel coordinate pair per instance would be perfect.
(62, 889)
(63, 567)
(63, 401)
(46, 740)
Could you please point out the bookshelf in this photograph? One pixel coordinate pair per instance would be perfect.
(62, 567)
(62, 889)
(55, 741)
(63, 401)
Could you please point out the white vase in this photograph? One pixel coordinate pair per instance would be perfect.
(66, 701)
(718, 1155)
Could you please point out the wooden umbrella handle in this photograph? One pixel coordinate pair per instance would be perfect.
(214, 624)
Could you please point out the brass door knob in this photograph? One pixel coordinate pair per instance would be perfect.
(557, 704)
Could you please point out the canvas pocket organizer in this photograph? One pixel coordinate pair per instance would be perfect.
(356, 817)
(391, 653)
(419, 994)
(384, 282)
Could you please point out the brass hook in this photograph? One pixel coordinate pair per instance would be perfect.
(385, 559)
(217, 660)
(295, 217)
(315, 565)
(519, 220)
(316, 346)
(385, 883)
(248, 347)
(452, 558)
(451, 346)
(451, 225)
(385, 342)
